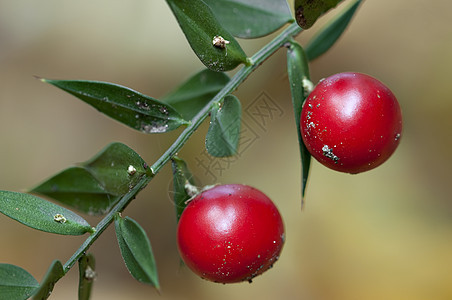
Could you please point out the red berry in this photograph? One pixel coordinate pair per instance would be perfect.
(230, 233)
(351, 122)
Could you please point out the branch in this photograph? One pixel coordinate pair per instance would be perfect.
(253, 63)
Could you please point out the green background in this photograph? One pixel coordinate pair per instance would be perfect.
(385, 234)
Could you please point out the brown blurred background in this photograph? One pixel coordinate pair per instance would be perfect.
(385, 234)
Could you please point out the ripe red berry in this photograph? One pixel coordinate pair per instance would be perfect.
(351, 122)
(230, 233)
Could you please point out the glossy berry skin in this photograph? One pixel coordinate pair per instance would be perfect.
(230, 233)
(351, 122)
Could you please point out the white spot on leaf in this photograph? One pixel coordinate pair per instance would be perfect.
(131, 170)
(59, 218)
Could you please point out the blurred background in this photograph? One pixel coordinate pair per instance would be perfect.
(384, 234)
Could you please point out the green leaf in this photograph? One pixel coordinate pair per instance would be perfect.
(224, 131)
(86, 267)
(136, 251)
(183, 184)
(298, 71)
(42, 215)
(195, 93)
(330, 33)
(54, 273)
(200, 27)
(125, 105)
(16, 283)
(251, 18)
(117, 167)
(77, 188)
(308, 11)
(95, 186)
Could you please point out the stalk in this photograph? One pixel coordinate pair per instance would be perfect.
(253, 63)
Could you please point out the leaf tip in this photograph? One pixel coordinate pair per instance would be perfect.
(159, 291)
(40, 78)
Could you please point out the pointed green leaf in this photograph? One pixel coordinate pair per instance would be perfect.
(308, 11)
(95, 186)
(86, 267)
(42, 215)
(196, 92)
(298, 71)
(16, 283)
(125, 105)
(200, 27)
(224, 131)
(54, 273)
(77, 188)
(136, 251)
(183, 184)
(330, 33)
(251, 18)
(117, 167)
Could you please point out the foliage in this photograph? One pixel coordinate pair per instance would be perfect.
(54, 273)
(16, 283)
(183, 183)
(42, 215)
(224, 131)
(307, 11)
(136, 250)
(107, 183)
(87, 274)
(298, 71)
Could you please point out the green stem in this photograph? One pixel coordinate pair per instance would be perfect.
(103, 224)
(253, 63)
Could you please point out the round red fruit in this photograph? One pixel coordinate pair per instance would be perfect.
(351, 122)
(230, 233)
